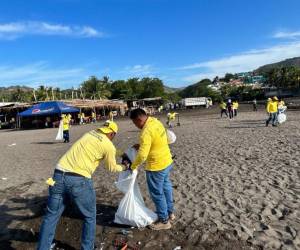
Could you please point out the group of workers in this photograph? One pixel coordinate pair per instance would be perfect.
(72, 178)
(229, 108)
(274, 107)
(67, 118)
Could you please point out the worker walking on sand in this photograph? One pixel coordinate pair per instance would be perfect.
(72, 182)
(235, 106)
(171, 118)
(272, 110)
(93, 117)
(223, 109)
(281, 106)
(66, 128)
(255, 105)
(229, 108)
(81, 117)
(154, 149)
(111, 116)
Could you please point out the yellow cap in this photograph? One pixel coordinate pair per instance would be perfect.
(109, 127)
(275, 98)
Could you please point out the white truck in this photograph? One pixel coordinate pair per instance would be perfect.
(193, 102)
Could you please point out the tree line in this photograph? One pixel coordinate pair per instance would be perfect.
(138, 88)
(92, 88)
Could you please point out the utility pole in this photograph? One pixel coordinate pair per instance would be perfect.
(34, 96)
(81, 93)
(47, 96)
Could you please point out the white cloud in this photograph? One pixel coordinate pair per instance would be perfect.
(138, 70)
(15, 30)
(245, 61)
(41, 73)
(290, 35)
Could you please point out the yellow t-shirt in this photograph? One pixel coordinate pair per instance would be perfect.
(86, 154)
(154, 148)
(172, 116)
(235, 105)
(66, 123)
(223, 105)
(272, 107)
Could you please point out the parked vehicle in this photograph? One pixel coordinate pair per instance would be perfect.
(194, 102)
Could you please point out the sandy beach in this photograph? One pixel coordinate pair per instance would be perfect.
(236, 185)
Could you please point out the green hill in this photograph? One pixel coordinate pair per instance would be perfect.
(291, 62)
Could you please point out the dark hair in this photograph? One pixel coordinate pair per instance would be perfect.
(137, 113)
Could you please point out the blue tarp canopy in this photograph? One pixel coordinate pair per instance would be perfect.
(48, 108)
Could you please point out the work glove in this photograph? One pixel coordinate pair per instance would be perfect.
(126, 162)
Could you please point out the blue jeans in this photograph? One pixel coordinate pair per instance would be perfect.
(80, 191)
(273, 118)
(66, 135)
(161, 192)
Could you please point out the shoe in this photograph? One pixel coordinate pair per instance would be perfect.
(172, 217)
(160, 225)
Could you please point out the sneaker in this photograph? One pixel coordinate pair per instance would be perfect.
(160, 225)
(172, 217)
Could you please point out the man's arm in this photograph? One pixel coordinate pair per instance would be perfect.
(145, 145)
(110, 162)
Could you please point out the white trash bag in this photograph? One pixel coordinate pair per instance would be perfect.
(60, 132)
(132, 210)
(281, 118)
(171, 136)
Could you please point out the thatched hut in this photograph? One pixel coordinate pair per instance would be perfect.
(100, 107)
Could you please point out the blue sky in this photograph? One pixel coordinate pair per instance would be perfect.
(63, 42)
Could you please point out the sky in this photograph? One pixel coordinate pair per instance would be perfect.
(61, 43)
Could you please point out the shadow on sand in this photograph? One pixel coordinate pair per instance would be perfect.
(20, 220)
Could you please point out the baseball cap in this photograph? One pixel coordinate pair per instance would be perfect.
(109, 127)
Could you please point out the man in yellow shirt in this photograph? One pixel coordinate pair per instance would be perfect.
(235, 106)
(72, 181)
(281, 104)
(66, 127)
(272, 110)
(111, 116)
(93, 117)
(154, 150)
(223, 108)
(171, 118)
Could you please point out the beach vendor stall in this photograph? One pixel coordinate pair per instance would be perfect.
(38, 115)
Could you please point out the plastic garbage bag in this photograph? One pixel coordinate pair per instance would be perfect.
(171, 136)
(132, 209)
(281, 118)
(60, 132)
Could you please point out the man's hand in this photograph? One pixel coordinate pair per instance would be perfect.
(136, 146)
(126, 162)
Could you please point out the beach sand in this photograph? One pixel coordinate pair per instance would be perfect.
(236, 185)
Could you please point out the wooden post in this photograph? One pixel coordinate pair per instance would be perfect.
(34, 96)
(47, 96)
